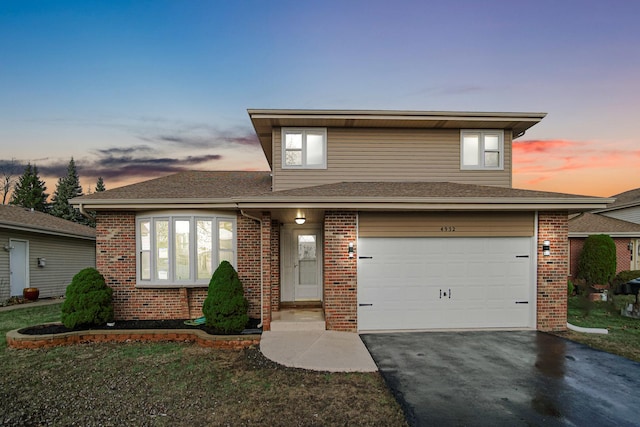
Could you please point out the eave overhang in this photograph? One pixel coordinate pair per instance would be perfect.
(611, 234)
(265, 120)
(40, 230)
(353, 204)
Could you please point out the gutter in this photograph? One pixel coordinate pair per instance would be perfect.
(243, 213)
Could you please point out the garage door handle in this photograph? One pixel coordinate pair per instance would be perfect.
(522, 302)
(365, 305)
(365, 257)
(522, 256)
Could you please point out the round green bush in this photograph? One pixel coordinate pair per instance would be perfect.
(225, 307)
(87, 301)
(597, 262)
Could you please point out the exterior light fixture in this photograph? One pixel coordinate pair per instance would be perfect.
(300, 220)
(350, 249)
(630, 247)
(546, 248)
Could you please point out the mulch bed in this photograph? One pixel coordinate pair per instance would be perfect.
(57, 328)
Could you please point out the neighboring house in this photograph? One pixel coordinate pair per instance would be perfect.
(625, 207)
(620, 220)
(40, 250)
(389, 219)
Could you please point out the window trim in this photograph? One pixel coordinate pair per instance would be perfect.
(171, 218)
(304, 131)
(482, 133)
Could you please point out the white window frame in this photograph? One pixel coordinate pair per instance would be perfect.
(304, 132)
(482, 134)
(171, 281)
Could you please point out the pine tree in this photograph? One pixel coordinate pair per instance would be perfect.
(67, 188)
(29, 191)
(100, 185)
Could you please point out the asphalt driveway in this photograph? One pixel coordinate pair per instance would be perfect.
(505, 379)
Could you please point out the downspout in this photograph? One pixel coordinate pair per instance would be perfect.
(84, 212)
(243, 213)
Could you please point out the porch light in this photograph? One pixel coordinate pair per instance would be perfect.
(630, 247)
(546, 248)
(350, 249)
(300, 220)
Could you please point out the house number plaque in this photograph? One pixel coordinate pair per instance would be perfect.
(448, 228)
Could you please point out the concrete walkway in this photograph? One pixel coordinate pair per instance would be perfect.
(39, 303)
(318, 350)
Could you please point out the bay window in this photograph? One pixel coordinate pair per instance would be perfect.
(183, 250)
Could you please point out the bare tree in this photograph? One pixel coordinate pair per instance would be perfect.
(9, 170)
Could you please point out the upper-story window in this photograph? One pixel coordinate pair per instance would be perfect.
(482, 149)
(182, 250)
(304, 148)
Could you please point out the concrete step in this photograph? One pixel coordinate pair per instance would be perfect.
(305, 319)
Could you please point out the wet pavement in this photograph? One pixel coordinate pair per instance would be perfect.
(506, 379)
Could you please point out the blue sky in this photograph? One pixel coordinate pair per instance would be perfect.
(138, 89)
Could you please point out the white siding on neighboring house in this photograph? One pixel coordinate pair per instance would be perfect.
(629, 214)
(390, 155)
(64, 256)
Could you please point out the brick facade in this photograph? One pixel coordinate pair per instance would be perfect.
(340, 271)
(116, 260)
(552, 272)
(623, 255)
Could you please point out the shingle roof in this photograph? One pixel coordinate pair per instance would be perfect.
(240, 188)
(17, 217)
(630, 197)
(390, 190)
(190, 185)
(600, 224)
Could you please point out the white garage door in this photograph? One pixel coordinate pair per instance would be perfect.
(436, 283)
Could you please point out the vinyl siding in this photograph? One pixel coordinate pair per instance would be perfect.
(628, 214)
(446, 224)
(64, 256)
(389, 155)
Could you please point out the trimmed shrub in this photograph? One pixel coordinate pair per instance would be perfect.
(88, 300)
(597, 262)
(225, 307)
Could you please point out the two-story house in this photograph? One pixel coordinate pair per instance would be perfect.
(387, 219)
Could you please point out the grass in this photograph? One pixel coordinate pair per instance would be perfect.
(175, 384)
(624, 332)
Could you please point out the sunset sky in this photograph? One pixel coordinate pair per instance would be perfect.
(138, 89)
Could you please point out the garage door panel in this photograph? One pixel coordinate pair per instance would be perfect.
(430, 283)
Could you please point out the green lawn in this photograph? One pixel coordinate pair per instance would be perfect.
(175, 384)
(624, 333)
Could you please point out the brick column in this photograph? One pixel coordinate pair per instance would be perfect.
(275, 265)
(265, 259)
(552, 271)
(340, 271)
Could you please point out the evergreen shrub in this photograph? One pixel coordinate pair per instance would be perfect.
(597, 261)
(225, 307)
(88, 300)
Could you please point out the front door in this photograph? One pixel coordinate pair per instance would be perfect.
(301, 265)
(18, 265)
(307, 265)
(635, 255)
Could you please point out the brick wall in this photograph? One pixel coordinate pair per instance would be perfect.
(116, 260)
(340, 271)
(552, 272)
(623, 256)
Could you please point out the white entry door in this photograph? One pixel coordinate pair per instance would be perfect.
(19, 266)
(431, 283)
(307, 265)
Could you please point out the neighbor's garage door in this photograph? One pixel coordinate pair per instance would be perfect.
(452, 282)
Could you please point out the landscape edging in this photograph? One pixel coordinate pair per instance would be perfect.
(17, 340)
